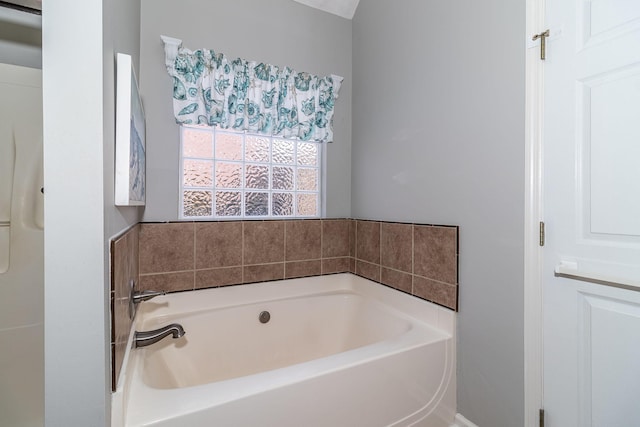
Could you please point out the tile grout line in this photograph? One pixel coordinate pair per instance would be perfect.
(413, 255)
(139, 254)
(321, 245)
(195, 243)
(160, 273)
(380, 249)
(284, 248)
(355, 248)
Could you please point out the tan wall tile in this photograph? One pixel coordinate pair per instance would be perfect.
(396, 242)
(336, 265)
(352, 238)
(119, 263)
(166, 247)
(303, 240)
(168, 282)
(263, 273)
(435, 253)
(368, 241)
(133, 250)
(117, 352)
(440, 293)
(124, 269)
(335, 238)
(368, 270)
(263, 242)
(218, 244)
(218, 277)
(122, 322)
(397, 280)
(302, 269)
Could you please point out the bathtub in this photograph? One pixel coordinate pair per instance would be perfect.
(337, 350)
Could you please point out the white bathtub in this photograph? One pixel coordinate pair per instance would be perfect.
(338, 350)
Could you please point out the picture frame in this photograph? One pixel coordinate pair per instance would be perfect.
(130, 167)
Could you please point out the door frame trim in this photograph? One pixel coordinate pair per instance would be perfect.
(533, 214)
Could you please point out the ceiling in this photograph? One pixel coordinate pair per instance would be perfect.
(344, 8)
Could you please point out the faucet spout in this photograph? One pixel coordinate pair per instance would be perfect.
(143, 339)
(138, 297)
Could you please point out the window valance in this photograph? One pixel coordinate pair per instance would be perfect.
(211, 89)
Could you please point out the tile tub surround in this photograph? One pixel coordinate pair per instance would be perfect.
(124, 268)
(418, 259)
(421, 260)
(185, 256)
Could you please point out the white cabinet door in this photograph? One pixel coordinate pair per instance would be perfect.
(591, 274)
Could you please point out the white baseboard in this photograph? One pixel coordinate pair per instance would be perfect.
(461, 421)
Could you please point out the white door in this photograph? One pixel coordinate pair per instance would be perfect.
(591, 273)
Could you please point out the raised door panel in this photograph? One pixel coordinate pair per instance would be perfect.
(609, 351)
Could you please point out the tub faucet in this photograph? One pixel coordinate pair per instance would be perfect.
(140, 296)
(136, 297)
(143, 339)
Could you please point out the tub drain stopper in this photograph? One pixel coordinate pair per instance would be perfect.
(264, 317)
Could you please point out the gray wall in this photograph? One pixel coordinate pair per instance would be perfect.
(445, 145)
(279, 32)
(79, 213)
(121, 34)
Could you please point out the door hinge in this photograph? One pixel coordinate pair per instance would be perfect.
(541, 417)
(541, 233)
(542, 36)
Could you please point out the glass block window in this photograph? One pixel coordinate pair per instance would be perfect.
(226, 174)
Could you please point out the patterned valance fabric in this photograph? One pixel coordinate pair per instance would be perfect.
(209, 89)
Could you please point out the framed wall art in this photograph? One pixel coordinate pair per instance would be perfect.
(130, 173)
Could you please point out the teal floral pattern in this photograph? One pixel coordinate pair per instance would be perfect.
(209, 89)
